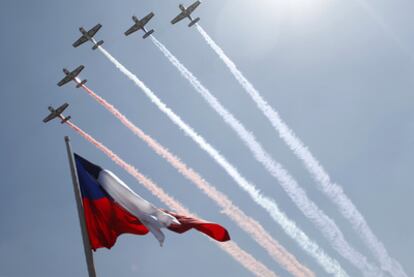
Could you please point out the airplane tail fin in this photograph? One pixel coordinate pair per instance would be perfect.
(147, 34)
(65, 119)
(194, 22)
(81, 83)
(99, 43)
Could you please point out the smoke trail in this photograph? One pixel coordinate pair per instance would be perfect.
(248, 224)
(296, 193)
(329, 265)
(332, 190)
(244, 258)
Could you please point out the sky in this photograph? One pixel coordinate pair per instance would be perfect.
(340, 79)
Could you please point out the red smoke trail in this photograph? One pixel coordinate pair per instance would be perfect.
(244, 258)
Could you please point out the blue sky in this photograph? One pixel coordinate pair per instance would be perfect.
(341, 81)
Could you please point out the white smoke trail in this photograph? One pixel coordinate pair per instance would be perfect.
(248, 224)
(297, 194)
(244, 258)
(332, 190)
(329, 265)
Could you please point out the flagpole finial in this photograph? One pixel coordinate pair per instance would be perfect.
(67, 139)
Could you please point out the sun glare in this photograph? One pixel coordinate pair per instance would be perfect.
(262, 21)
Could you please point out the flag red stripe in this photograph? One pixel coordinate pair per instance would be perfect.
(213, 230)
(106, 220)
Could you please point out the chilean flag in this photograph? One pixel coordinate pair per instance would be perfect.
(111, 208)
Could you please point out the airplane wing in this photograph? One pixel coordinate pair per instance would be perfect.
(62, 108)
(80, 41)
(147, 18)
(94, 30)
(193, 6)
(78, 70)
(131, 30)
(49, 117)
(179, 17)
(65, 80)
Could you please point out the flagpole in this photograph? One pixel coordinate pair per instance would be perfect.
(86, 244)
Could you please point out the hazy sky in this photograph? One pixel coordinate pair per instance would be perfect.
(340, 79)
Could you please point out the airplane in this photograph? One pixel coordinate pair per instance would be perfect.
(71, 76)
(88, 35)
(186, 12)
(140, 24)
(57, 113)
